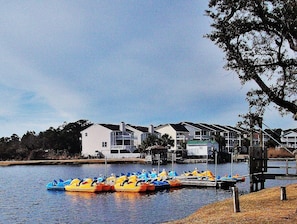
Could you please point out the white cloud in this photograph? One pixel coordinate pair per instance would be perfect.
(139, 62)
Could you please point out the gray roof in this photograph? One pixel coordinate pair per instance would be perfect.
(139, 128)
(179, 127)
(199, 126)
(112, 127)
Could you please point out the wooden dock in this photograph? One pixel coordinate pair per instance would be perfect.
(195, 182)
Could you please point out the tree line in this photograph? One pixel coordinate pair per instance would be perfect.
(64, 142)
(61, 142)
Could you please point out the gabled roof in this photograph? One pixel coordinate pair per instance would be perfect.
(210, 127)
(112, 127)
(139, 128)
(238, 129)
(193, 125)
(225, 128)
(290, 131)
(179, 127)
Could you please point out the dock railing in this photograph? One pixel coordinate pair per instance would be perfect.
(286, 171)
(287, 167)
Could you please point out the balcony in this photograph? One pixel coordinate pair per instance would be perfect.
(119, 148)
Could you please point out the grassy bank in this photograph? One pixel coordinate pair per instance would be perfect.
(263, 206)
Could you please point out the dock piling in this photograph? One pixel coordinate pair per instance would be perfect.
(235, 199)
(283, 195)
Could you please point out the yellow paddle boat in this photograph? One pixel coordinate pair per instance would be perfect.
(85, 185)
(130, 184)
(205, 175)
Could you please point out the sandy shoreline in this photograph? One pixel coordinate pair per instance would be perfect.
(70, 161)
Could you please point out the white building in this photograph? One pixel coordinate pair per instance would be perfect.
(201, 131)
(177, 132)
(289, 138)
(233, 136)
(113, 141)
(140, 133)
(117, 141)
(201, 148)
(198, 131)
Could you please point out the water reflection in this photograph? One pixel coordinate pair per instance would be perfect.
(34, 204)
(80, 195)
(121, 197)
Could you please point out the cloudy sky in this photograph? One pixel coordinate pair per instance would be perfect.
(141, 62)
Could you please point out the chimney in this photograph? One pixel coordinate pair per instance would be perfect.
(122, 127)
(151, 129)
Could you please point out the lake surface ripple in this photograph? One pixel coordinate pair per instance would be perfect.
(24, 198)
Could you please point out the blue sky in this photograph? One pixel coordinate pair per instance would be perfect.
(141, 62)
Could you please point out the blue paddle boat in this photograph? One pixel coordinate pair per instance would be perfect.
(58, 185)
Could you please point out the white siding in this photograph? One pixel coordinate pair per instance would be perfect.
(94, 139)
(167, 129)
(197, 150)
(289, 139)
(101, 139)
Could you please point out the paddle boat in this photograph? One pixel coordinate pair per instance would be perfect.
(204, 175)
(239, 178)
(195, 172)
(153, 174)
(58, 185)
(102, 185)
(111, 181)
(235, 177)
(160, 185)
(84, 185)
(174, 183)
(144, 175)
(172, 174)
(163, 175)
(149, 186)
(169, 178)
(130, 184)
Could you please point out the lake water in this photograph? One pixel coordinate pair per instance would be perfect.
(24, 198)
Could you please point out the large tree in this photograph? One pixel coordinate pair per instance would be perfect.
(259, 39)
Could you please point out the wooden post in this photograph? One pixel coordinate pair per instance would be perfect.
(235, 199)
(295, 154)
(252, 183)
(216, 163)
(283, 195)
(158, 157)
(105, 165)
(287, 166)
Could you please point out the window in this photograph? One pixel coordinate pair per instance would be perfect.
(104, 144)
(86, 134)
